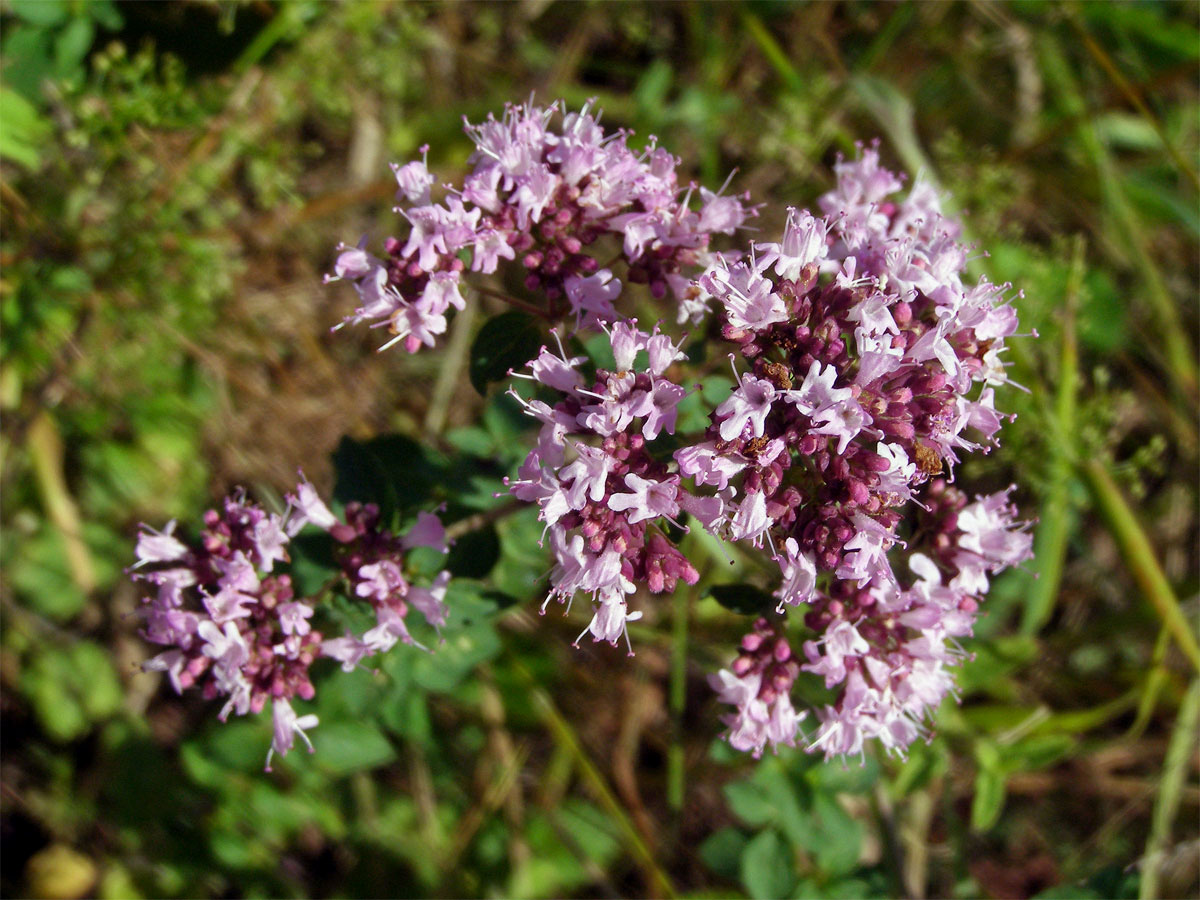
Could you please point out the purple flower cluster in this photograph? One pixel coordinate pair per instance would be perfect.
(603, 497)
(861, 388)
(758, 684)
(543, 198)
(235, 628)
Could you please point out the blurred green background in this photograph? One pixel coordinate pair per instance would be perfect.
(174, 178)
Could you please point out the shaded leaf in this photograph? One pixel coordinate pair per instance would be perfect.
(722, 851)
(507, 341)
(474, 553)
(744, 599)
(392, 471)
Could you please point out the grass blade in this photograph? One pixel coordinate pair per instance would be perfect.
(1139, 556)
(1175, 766)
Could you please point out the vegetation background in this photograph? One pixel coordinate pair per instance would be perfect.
(174, 178)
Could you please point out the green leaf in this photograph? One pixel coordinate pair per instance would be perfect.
(71, 689)
(474, 553)
(744, 599)
(844, 777)
(71, 46)
(522, 561)
(40, 12)
(988, 801)
(345, 747)
(591, 828)
(27, 61)
(95, 680)
(722, 851)
(453, 661)
(507, 341)
(1038, 752)
(45, 682)
(750, 803)
(41, 576)
(838, 850)
(24, 131)
(767, 869)
(105, 13)
(313, 564)
(392, 471)
(239, 746)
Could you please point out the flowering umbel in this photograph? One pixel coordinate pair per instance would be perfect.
(233, 624)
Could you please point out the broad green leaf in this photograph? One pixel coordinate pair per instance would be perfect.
(1038, 752)
(475, 553)
(104, 12)
(27, 61)
(840, 842)
(42, 577)
(45, 682)
(463, 650)
(72, 689)
(593, 830)
(40, 12)
(750, 803)
(507, 341)
(345, 747)
(239, 745)
(522, 560)
(95, 680)
(988, 801)
(722, 851)
(71, 46)
(312, 564)
(24, 130)
(392, 471)
(767, 867)
(744, 599)
(844, 776)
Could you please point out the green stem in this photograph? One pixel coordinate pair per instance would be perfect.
(1156, 679)
(1139, 556)
(566, 738)
(1055, 528)
(523, 305)
(678, 699)
(1175, 767)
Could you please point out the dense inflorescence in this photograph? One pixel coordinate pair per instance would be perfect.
(235, 627)
(604, 498)
(869, 367)
(541, 198)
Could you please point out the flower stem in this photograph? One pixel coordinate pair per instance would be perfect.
(1175, 769)
(523, 305)
(678, 699)
(566, 738)
(1139, 556)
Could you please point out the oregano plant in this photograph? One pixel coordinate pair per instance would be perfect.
(862, 368)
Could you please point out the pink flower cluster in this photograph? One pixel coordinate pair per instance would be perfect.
(543, 198)
(233, 624)
(603, 497)
(869, 366)
(758, 685)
